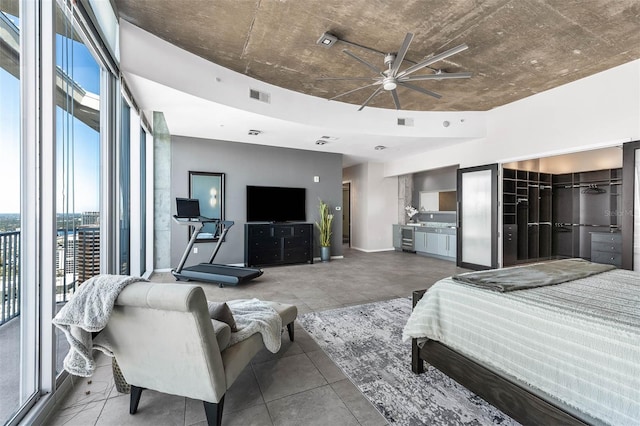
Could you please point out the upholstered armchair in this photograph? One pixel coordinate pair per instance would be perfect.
(164, 339)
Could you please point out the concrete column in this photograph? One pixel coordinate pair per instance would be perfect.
(405, 196)
(161, 192)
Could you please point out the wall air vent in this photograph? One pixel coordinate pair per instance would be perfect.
(260, 96)
(405, 121)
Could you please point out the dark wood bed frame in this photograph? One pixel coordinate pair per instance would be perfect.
(513, 398)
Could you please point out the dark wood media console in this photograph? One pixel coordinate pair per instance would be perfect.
(277, 243)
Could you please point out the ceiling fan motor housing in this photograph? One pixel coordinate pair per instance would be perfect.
(389, 83)
(389, 58)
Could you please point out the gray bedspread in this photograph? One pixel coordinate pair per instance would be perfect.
(577, 342)
(532, 276)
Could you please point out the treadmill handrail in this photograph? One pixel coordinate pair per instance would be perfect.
(190, 221)
(192, 241)
(199, 223)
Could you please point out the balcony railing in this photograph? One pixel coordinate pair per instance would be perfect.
(9, 275)
(78, 259)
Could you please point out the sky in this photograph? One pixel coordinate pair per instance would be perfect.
(73, 136)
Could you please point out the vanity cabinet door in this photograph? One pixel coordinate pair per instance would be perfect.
(420, 241)
(432, 242)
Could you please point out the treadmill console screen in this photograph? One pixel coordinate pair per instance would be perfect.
(187, 207)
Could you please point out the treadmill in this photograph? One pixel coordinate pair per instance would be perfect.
(189, 215)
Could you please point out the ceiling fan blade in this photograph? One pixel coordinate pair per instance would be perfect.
(401, 54)
(433, 59)
(420, 89)
(354, 90)
(370, 97)
(396, 101)
(442, 76)
(346, 78)
(363, 62)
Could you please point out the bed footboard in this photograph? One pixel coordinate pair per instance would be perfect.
(417, 364)
(514, 399)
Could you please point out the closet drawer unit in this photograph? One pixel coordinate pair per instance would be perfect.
(606, 237)
(510, 244)
(614, 259)
(606, 247)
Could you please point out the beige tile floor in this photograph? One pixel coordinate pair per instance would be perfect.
(299, 385)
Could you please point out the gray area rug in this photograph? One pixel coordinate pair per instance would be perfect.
(365, 342)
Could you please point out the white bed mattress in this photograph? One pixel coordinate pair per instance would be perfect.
(578, 341)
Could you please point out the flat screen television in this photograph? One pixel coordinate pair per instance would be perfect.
(276, 204)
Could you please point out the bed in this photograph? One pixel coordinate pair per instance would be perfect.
(555, 353)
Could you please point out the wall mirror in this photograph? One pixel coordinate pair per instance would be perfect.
(208, 188)
(437, 201)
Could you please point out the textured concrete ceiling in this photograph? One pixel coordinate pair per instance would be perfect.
(516, 47)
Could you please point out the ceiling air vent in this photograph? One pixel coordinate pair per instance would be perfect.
(260, 96)
(405, 121)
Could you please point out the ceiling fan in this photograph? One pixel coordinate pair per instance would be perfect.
(392, 77)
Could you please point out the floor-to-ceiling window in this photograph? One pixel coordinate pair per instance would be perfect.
(124, 191)
(59, 187)
(78, 186)
(15, 388)
(143, 201)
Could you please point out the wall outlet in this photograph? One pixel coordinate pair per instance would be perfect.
(316, 179)
(195, 250)
(430, 216)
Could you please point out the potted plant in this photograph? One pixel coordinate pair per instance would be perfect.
(324, 227)
(411, 212)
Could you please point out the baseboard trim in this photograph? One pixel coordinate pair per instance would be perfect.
(372, 251)
(161, 270)
(317, 259)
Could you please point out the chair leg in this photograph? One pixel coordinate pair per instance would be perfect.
(290, 330)
(213, 412)
(136, 392)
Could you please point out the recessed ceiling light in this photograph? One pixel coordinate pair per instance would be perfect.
(379, 147)
(327, 40)
(321, 142)
(254, 132)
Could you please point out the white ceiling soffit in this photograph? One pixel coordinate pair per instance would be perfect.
(201, 99)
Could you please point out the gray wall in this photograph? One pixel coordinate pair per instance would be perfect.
(434, 180)
(443, 179)
(247, 164)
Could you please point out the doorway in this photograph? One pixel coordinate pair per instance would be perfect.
(346, 213)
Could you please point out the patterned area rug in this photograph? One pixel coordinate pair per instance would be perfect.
(365, 342)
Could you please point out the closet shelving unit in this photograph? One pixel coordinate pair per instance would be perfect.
(548, 216)
(526, 215)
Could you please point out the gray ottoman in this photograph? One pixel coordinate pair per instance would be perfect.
(288, 313)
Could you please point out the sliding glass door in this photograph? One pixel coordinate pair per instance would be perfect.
(629, 217)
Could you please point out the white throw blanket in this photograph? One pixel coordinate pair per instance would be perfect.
(88, 310)
(255, 316)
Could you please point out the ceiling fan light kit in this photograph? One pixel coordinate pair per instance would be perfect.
(390, 78)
